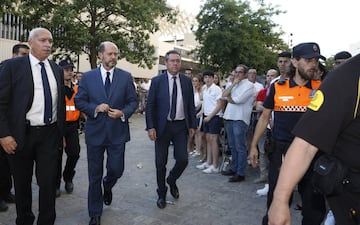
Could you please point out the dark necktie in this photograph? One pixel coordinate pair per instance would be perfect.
(107, 84)
(173, 100)
(47, 95)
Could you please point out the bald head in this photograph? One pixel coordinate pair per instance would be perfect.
(108, 54)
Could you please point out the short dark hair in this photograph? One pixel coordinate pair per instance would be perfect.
(16, 48)
(285, 54)
(208, 73)
(171, 52)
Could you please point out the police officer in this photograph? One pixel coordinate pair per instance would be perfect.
(71, 137)
(289, 100)
(334, 118)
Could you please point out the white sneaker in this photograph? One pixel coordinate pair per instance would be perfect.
(203, 166)
(264, 191)
(211, 169)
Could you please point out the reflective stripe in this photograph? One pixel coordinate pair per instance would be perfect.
(70, 108)
(290, 108)
(72, 114)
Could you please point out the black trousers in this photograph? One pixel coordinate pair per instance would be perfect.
(346, 207)
(5, 175)
(177, 133)
(72, 150)
(313, 203)
(41, 149)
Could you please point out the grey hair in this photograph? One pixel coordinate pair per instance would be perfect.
(34, 31)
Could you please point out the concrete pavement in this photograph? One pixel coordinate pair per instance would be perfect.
(205, 199)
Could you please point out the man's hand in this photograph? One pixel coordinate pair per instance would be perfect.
(115, 113)
(254, 156)
(237, 80)
(9, 144)
(102, 108)
(152, 134)
(279, 213)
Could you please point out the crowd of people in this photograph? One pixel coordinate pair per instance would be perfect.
(276, 126)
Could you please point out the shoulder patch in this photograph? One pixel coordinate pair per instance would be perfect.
(316, 101)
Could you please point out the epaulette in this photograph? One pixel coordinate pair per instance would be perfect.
(281, 81)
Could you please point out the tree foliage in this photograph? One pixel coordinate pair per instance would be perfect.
(79, 26)
(230, 32)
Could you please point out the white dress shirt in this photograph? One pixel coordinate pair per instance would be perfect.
(36, 113)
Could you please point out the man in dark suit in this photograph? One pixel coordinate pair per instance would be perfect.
(32, 115)
(5, 176)
(170, 116)
(108, 98)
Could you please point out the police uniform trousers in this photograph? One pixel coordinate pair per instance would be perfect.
(72, 150)
(177, 133)
(41, 149)
(346, 207)
(5, 175)
(313, 203)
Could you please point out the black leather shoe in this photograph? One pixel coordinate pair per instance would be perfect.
(228, 173)
(107, 197)
(3, 206)
(174, 191)
(69, 187)
(161, 203)
(95, 220)
(9, 198)
(236, 178)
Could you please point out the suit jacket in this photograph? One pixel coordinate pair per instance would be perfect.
(158, 103)
(17, 95)
(122, 96)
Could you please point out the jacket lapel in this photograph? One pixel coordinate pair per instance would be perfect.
(114, 82)
(164, 86)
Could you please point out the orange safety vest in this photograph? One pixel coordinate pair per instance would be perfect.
(72, 114)
(294, 99)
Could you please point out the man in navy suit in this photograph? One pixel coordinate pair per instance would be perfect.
(107, 96)
(32, 117)
(170, 116)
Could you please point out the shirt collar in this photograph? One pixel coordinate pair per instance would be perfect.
(34, 61)
(171, 76)
(294, 84)
(103, 71)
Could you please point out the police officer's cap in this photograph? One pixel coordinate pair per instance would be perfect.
(67, 63)
(342, 55)
(307, 50)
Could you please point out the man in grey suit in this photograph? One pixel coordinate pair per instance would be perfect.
(32, 117)
(107, 96)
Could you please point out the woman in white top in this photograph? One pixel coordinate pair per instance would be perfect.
(198, 100)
